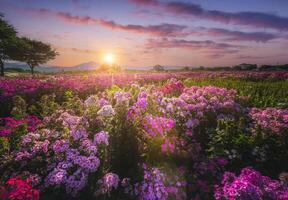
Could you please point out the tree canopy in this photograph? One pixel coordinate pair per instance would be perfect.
(35, 52)
(158, 68)
(12, 47)
(8, 41)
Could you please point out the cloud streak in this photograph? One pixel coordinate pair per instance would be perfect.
(209, 47)
(161, 30)
(252, 19)
(237, 36)
(145, 2)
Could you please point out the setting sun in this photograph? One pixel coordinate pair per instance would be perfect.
(109, 58)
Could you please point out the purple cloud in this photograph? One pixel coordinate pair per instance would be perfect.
(183, 8)
(238, 35)
(252, 19)
(162, 30)
(246, 57)
(145, 2)
(209, 47)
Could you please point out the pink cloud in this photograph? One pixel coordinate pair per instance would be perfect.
(163, 30)
(238, 35)
(209, 47)
(145, 2)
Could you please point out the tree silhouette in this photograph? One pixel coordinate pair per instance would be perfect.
(158, 68)
(8, 42)
(35, 53)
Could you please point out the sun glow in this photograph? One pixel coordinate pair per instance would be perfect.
(109, 58)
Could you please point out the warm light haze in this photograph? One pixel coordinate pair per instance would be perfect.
(109, 58)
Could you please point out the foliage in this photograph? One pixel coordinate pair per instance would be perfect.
(158, 68)
(35, 53)
(150, 140)
(7, 42)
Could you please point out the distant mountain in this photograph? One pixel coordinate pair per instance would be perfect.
(152, 67)
(17, 66)
(52, 69)
(85, 66)
(81, 67)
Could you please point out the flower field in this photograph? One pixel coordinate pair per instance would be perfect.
(146, 136)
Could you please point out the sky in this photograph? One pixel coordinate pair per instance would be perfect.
(141, 33)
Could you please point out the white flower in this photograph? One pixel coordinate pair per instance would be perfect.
(91, 101)
(106, 110)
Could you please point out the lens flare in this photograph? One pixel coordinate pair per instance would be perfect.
(109, 58)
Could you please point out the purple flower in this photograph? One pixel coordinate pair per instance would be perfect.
(56, 177)
(22, 155)
(60, 146)
(76, 182)
(250, 185)
(142, 103)
(157, 125)
(88, 146)
(101, 138)
(79, 133)
(109, 182)
(106, 111)
(89, 164)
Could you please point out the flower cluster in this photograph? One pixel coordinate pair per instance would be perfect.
(12, 87)
(19, 189)
(250, 184)
(158, 126)
(106, 111)
(109, 182)
(153, 186)
(122, 96)
(10, 123)
(271, 119)
(101, 138)
(172, 87)
(70, 158)
(139, 107)
(157, 185)
(79, 83)
(198, 129)
(68, 120)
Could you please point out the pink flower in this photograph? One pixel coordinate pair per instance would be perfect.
(21, 190)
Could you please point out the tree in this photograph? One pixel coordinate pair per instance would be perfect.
(35, 53)
(186, 68)
(8, 42)
(158, 68)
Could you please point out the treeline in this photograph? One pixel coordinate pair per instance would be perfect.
(22, 49)
(247, 67)
(240, 67)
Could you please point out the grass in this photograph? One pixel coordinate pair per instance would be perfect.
(261, 93)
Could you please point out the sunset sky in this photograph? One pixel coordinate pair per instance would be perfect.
(148, 32)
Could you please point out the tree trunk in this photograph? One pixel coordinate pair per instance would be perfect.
(2, 67)
(32, 69)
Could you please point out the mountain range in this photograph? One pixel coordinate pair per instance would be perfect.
(49, 68)
(87, 66)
